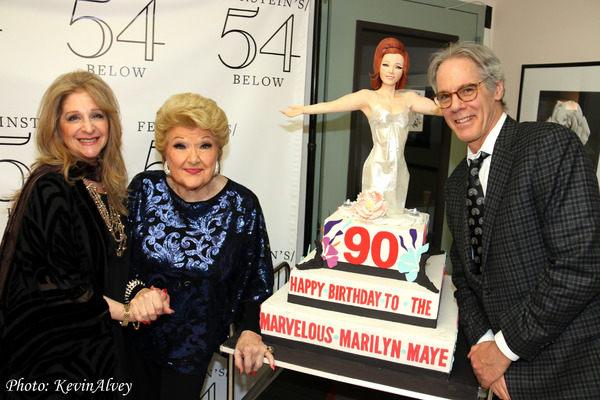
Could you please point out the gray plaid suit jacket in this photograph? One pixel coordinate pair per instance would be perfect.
(540, 283)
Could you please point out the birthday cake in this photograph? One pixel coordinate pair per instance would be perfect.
(371, 290)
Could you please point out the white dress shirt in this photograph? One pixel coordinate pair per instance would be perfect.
(484, 171)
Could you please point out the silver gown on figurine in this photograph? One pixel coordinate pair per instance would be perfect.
(385, 168)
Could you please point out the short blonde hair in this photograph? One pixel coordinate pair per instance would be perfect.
(190, 110)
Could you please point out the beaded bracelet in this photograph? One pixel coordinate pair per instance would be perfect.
(129, 293)
(129, 288)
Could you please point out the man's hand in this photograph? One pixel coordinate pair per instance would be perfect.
(488, 363)
(499, 388)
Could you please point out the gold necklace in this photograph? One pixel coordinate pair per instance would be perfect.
(111, 217)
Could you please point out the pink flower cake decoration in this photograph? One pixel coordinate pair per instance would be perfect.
(369, 206)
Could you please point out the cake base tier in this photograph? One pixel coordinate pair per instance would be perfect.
(296, 360)
(354, 336)
(377, 363)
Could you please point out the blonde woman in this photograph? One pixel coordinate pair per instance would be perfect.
(203, 237)
(62, 281)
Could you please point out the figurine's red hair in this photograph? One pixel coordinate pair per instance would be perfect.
(389, 46)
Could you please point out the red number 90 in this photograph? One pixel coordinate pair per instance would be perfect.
(363, 245)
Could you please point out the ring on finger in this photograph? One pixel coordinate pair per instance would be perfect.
(269, 349)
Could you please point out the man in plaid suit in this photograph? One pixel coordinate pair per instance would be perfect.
(531, 309)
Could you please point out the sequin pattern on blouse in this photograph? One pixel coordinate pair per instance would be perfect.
(211, 256)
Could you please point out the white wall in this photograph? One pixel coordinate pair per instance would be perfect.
(542, 32)
(539, 32)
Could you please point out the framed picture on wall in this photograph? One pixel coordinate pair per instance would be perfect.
(568, 94)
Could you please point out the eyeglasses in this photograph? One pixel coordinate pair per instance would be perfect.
(464, 93)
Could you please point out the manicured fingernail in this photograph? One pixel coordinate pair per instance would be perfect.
(254, 373)
(240, 371)
(273, 367)
(165, 290)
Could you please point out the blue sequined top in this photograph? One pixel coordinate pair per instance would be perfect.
(213, 257)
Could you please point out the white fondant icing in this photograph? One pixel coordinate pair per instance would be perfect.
(373, 254)
(374, 293)
(373, 243)
(408, 218)
(409, 345)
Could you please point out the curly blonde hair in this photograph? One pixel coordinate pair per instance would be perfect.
(190, 110)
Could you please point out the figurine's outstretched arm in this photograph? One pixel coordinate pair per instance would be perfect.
(421, 105)
(350, 102)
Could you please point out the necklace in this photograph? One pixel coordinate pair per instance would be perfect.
(111, 217)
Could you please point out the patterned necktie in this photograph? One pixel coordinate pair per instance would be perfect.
(475, 202)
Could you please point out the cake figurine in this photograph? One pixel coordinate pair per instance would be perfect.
(388, 109)
(372, 290)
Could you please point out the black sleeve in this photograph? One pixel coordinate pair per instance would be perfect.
(251, 320)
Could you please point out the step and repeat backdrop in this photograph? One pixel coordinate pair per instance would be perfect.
(250, 56)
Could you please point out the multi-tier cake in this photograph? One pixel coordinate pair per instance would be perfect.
(371, 290)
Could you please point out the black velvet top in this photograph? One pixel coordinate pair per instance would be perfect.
(54, 322)
(214, 259)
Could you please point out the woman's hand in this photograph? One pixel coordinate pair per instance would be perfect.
(149, 304)
(249, 353)
(294, 111)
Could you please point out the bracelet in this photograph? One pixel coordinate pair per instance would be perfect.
(125, 315)
(130, 286)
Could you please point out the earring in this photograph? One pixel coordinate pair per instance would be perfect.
(166, 168)
(217, 169)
